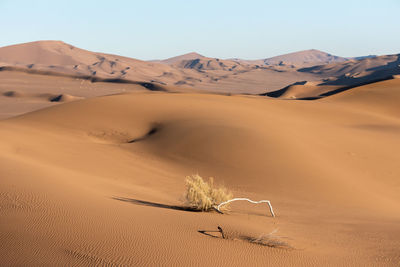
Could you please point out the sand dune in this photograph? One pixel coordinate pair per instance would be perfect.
(201, 64)
(298, 59)
(354, 66)
(380, 97)
(359, 72)
(190, 70)
(343, 76)
(22, 92)
(174, 60)
(47, 96)
(304, 58)
(302, 90)
(57, 56)
(79, 192)
(197, 71)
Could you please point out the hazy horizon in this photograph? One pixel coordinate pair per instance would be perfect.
(226, 29)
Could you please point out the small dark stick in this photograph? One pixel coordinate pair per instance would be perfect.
(221, 231)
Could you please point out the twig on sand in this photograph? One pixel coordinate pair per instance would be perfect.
(221, 231)
(206, 232)
(246, 199)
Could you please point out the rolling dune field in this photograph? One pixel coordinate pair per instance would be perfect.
(100, 181)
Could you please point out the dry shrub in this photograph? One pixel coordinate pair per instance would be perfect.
(202, 195)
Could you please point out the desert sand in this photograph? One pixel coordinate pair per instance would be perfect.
(97, 178)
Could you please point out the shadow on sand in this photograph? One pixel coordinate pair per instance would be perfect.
(213, 233)
(154, 204)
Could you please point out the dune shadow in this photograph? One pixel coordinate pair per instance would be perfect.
(152, 131)
(155, 204)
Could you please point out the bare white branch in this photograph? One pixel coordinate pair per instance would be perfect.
(249, 200)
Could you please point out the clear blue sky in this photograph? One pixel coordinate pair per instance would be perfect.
(151, 29)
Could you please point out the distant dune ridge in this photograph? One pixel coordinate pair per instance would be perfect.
(58, 56)
(305, 74)
(188, 56)
(304, 58)
(192, 70)
(298, 59)
(189, 70)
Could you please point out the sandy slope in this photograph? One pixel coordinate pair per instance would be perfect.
(74, 189)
